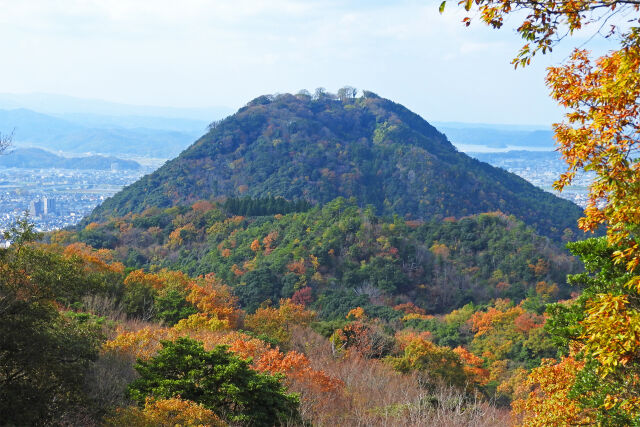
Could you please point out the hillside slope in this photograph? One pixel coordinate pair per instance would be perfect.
(348, 256)
(369, 148)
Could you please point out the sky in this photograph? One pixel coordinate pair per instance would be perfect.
(197, 53)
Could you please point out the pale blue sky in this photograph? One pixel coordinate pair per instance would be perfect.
(197, 53)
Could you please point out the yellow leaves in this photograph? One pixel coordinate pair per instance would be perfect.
(143, 343)
(611, 331)
(177, 236)
(277, 323)
(92, 226)
(199, 322)
(412, 316)
(547, 403)
(173, 412)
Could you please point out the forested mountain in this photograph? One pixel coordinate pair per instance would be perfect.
(318, 148)
(343, 256)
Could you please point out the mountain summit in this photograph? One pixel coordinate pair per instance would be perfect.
(318, 148)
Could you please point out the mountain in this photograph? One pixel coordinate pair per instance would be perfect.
(35, 158)
(317, 149)
(109, 136)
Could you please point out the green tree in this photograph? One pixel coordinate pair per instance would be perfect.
(216, 379)
(44, 354)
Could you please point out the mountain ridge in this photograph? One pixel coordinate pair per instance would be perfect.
(319, 148)
(36, 158)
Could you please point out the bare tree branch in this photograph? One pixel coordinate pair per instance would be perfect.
(5, 141)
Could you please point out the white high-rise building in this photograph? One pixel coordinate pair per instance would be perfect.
(49, 205)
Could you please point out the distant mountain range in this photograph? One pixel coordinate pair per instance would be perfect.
(63, 123)
(35, 158)
(53, 133)
(317, 149)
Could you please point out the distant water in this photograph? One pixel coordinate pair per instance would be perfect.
(473, 148)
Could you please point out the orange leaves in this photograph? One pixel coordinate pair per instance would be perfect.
(472, 366)
(146, 279)
(180, 234)
(355, 313)
(600, 135)
(297, 367)
(92, 226)
(528, 321)
(404, 338)
(202, 206)
(546, 290)
(440, 250)
(255, 245)
(541, 268)
(409, 308)
(94, 260)
(363, 339)
(481, 322)
(548, 404)
(215, 300)
(438, 362)
(297, 267)
(237, 270)
(269, 241)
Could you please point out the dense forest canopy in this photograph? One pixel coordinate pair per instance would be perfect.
(345, 256)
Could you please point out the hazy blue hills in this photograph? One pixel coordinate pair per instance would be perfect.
(317, 149)
(113, 135)
(35, 158)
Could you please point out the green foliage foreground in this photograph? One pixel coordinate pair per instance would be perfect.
(218, 380)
